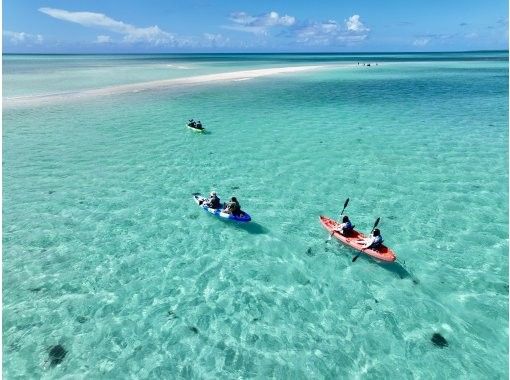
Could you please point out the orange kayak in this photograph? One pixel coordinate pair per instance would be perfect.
(355, 240)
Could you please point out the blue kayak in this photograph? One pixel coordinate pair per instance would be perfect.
(244, 217)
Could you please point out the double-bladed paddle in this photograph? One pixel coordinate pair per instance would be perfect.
(341, 213)
(197, 194)
(373, 228)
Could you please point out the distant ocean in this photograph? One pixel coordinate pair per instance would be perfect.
(110, 270)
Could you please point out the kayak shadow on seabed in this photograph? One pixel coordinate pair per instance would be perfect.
(250, 227)
(396, 267)
(253, 228)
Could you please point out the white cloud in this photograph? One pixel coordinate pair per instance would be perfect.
(318, 33)
(421, 41)
(259, 24)
(354, 24)
(88, 19)
(273, 19)
(436, 39)
(103, 39)
(311, 33)
(152, 34)
(242, 18)
(19, 38)
(215, 40)
(331, 32)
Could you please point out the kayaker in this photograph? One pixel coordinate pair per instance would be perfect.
(199, 125)
(375, 240)
(345, 227)
(232, 207)
(192, 123)
(213, 201)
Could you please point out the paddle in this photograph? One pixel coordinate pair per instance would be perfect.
(373, 228)
(403, 265)
(196, 194)
(341, 213)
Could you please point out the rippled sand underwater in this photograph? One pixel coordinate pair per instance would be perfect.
(111, 270)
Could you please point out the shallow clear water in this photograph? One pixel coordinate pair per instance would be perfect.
(26, 75)
(105, 252)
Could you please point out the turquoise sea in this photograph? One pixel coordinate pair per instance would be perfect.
(110, 270)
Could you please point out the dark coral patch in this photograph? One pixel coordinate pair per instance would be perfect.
(57, 355)
(171, 315)
(439, 340)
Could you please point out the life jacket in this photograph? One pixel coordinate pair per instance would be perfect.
(214, 202)
(234, 208)
(378, 240)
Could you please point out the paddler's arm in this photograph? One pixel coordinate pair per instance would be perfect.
(367, 242)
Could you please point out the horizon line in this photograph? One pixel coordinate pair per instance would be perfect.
(272, 53)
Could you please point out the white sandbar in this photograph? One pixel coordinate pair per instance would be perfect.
(34, 100)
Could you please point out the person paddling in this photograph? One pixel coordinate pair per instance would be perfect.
(345, 227)
(233, 207)
(213, 201)
(374, 241)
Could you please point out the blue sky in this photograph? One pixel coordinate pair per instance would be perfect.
(108, 26)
